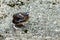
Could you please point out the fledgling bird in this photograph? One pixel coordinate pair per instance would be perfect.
(20, 18)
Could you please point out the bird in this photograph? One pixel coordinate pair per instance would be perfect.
(20, 18)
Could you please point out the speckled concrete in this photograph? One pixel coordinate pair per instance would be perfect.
(43, 24)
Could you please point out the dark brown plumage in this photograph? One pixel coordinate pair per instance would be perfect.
(20, 18)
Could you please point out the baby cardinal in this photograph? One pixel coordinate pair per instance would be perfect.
(20, 18)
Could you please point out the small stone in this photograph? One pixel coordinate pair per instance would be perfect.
(54, 3)
(25, 31)
(1, 36)
(45, 39)
(11, 5)
(27, 0)
(22, 3)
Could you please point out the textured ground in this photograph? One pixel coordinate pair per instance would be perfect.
(44, 22)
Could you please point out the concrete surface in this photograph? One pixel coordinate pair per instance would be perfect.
(43, 24)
